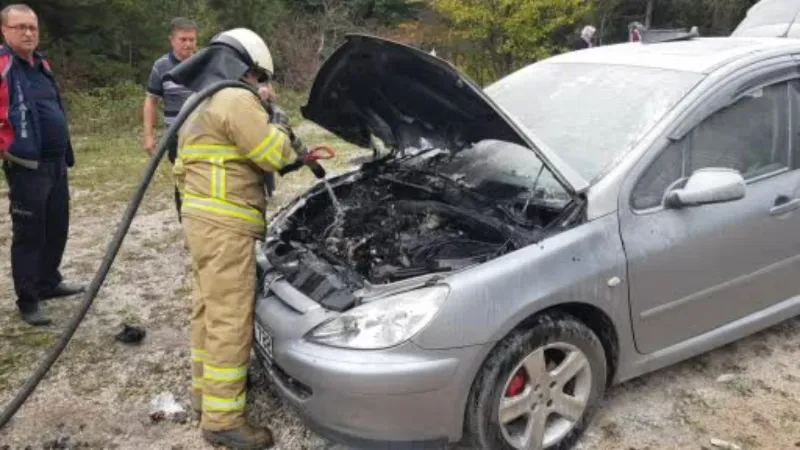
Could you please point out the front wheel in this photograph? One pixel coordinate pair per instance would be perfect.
(539, 388)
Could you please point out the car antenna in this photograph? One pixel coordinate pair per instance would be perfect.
(789, 27)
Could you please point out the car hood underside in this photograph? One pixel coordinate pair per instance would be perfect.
(399, 95)
(406, 98)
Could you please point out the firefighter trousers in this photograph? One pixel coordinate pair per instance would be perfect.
(223, 303)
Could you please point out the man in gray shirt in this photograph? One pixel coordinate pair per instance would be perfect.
(183, 38)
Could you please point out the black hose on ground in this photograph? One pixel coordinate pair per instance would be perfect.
(113, 248)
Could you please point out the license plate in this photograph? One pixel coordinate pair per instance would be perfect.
(263, 340)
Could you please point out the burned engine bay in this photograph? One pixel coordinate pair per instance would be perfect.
(402, 219)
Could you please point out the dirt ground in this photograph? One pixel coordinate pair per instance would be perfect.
(97, 395)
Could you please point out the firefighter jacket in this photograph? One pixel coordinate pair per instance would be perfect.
(224, 148)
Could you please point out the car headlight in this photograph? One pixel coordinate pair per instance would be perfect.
(383, 323)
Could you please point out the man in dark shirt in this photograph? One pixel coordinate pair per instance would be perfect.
(36, 155)
(183, 39)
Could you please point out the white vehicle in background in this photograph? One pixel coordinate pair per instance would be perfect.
(771, 18)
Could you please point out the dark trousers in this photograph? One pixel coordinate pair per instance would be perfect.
(172, 154)
(40, 223)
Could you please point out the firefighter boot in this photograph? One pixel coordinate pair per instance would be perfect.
(246, 437)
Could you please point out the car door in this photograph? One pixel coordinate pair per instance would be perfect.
(697, 268)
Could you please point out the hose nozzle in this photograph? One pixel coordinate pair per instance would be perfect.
(318, 153)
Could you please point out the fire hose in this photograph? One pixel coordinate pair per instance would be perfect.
(310, 159)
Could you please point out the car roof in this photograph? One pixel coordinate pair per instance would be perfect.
(699, 55)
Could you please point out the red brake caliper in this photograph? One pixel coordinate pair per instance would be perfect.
(517, 384)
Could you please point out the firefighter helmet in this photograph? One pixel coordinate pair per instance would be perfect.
(249, 46)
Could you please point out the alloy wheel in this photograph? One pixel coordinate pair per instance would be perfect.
(545, 396)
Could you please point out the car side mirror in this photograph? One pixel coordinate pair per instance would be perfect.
(706, 186)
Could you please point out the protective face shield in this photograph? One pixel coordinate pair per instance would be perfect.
(230, 55)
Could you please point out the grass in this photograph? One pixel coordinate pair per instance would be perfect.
(20, 348)
(108, 170)
(107, 137)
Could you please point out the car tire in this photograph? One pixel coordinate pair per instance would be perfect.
(553, 341)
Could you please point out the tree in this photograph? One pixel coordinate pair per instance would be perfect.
(506, 34)
(101, 42)
(261, 16)
(311, 29)
(94, 43)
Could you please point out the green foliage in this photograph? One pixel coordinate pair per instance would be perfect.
(363, 12)
(101, 43)
(712, 17)
(385, 12)
(117, 109)
(510, 33)
(262, 16)
(104, 109)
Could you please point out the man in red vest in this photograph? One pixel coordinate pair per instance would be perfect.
(36, 154)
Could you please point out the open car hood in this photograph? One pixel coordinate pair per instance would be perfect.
(374, 87)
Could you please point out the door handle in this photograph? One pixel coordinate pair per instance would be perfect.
(784, 205)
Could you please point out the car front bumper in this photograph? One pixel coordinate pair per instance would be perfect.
(406, 396)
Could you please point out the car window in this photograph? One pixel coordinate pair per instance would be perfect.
(665, 170)
(750, 135)
(794, 121)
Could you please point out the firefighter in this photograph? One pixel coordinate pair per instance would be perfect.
(225, 148)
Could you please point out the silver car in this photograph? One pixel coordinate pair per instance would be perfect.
(510, 253)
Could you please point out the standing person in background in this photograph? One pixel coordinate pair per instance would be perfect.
(587, 36)
(183, 39)
(586, 39)
(635, 30)
(36, 153)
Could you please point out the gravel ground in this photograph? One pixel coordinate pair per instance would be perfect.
(97, 395)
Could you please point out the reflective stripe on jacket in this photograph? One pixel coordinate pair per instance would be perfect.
(224, 148)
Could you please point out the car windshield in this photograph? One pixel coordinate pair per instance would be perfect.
(501, 170)
(590, 114)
